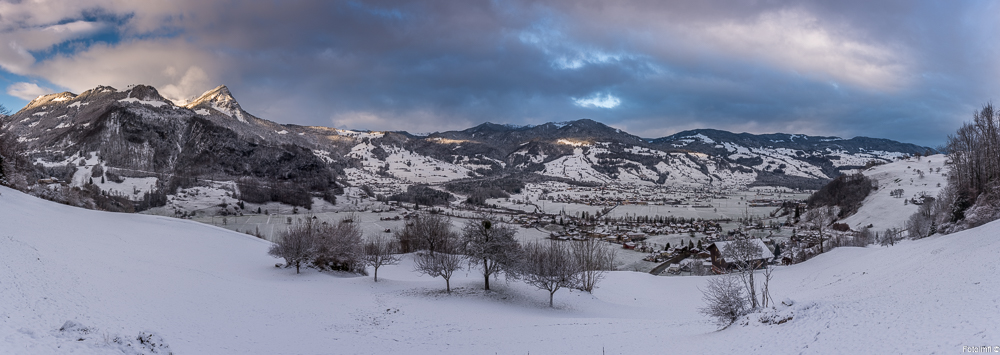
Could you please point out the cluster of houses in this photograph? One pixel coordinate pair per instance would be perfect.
(620, 194)
(713, 258)
(624, 231)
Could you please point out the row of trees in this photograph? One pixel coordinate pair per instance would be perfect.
(975, 153)
(493, 249)
(440, 251)
(14, 163)
(973, 192)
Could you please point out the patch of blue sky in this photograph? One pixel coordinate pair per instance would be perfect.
(14, 103)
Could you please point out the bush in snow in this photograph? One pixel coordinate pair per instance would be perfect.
(725, 301)
(339, 247)
(145, 343)
(97, 171)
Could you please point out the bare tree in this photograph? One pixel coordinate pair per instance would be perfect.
(426, 232)
(444, 262)
(765, 290)
(744, 255)
(295, 245)
(380, 250)
(724, 299)
(593, 260)
(549, 266)
(863, 237)
(493, 246)
(339, 247)
(890, 237)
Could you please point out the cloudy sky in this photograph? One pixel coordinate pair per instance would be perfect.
(906, 70)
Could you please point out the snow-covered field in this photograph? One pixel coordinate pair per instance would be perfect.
(883, 211)
(207, 290)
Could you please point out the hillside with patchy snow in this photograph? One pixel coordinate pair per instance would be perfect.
(150, 144)
(912, 178)
(205, 290)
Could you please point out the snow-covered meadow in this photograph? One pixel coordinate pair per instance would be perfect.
(207, 290)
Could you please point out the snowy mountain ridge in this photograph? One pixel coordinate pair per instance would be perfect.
(140, 134)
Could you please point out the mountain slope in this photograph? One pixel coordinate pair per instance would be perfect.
(208, 290)
(136, 133)
(914, 177)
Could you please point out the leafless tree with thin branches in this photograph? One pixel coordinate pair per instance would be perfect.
(380, 250)
(443, 263)
(493, 247)
(296, 245)
(549, 266)
(593, 260)
(743, 255)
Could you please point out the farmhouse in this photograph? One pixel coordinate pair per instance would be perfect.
(721, 263)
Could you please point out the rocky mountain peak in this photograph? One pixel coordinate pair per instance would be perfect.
(144, 92)
(50, 98)
(219, 99)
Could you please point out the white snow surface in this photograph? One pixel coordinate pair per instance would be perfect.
(206, 290)
(883, 211)
(144, 102)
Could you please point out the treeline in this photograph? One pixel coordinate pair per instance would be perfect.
(972, 197)
(490, 248)
(14, 162)
(974, 151)
(767, 178)
(846, 192)
(421, 195)
(481, 189)
(254, 191)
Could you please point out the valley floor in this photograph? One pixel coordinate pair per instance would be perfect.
(207, 290)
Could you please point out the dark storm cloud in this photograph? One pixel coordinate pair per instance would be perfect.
(905, 70)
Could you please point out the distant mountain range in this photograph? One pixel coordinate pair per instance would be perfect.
(138, 133)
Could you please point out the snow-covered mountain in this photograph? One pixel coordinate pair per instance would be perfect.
(136, 133)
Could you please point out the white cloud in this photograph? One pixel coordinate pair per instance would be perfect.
(799, 41)
(598, 101)
(178, 68)
(418, 120)
(27, 91)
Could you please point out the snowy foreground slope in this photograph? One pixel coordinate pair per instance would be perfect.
(211, 291)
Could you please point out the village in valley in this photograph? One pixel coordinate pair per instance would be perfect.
(663, 230)
(656, 229)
